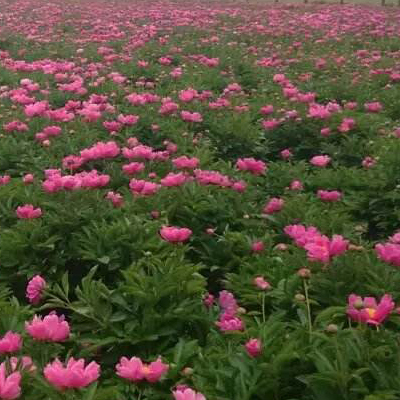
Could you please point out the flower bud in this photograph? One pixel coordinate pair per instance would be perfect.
(304, 273)
(332, 328)
(299, 297)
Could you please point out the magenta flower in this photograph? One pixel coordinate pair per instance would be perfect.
(257, 247)
(227, 302)
(10, 388)
(51, 328)
(35, 288)
(367, 311)
(73, 376)
(174, 234)
(228, 323)
(256, 167)
(389, 252)
(10, 343)
(27, 211)
(320, 161)
(254, 347)
(135, 370)
(273, 206)
(329, 195)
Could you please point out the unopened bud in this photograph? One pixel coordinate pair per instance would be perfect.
(332, 328)
(299, 297)
(304, 273)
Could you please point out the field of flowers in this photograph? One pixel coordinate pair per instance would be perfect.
(199, 201)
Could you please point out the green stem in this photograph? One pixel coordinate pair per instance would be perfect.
(263, 306)
(308, 306)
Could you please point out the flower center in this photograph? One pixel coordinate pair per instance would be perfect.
(371, 312)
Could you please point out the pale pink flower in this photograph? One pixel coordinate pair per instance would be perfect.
(261, 283)
(274, 205)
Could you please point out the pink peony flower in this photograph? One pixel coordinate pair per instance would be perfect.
(373, 107)
(208, 300)
(187, 394)
(257, 247)
(286, 154)
(227, 302)
(27, 211)
(389, 252)
(35, 289)
(261, 283)
(184, 162)
(135, 370)
(254, 347)
(273, 206)
(320, 161)
(296, 185)
(143, 188)
(51, 328)
(367, 310)
(329, 195)
(9, 385)
(28, 178)
(73, 376)
(227, 323)
(10, 343)
(175, 234)
(256, 167)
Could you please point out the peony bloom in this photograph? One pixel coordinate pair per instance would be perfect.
(73, 376)
(256, 167)
(286, 154)
(389, 252)
(185, 162)
(257, 247)
(135, 370)
(28, 212)
(227, 322)
(329, 195)
(367, 310)
(373, 107)
(175, 234)
(253, 347)
(35, 289)
(28, 178)
(172, 179)
(184, 393)
(10, 343)
(143, 188)
(208, 300)
(273, 206)
(320, 161)
(296, 185)
(52, 328)
(227, 302)
(261, 283)
(9, 385)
